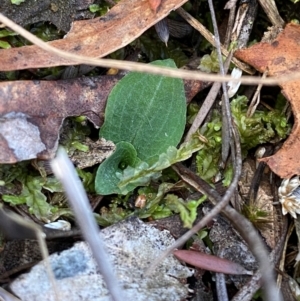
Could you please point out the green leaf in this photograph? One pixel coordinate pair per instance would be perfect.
(14, 200)
(53, 185)
(17, 2)
(32, 196)
(94, 8)
(264, 126)
(88, 180)
(106, 177)
(143, 173)
(210, 63)
(99, 9)
(147, 111)
(187, 210)
(145, 118)
(4, 45)
(6, 33)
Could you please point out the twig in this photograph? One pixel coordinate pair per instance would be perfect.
(240, 17)
(6, 296)
(255, 100)
(283, 253)
(250, 288)
(230, 4)
(221, 287)
(271, 11)
(226, 112)
(220, 282)
(210, 38)
(66, 173)
(230, 26)
(140, 67)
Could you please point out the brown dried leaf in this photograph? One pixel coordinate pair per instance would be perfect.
(32, 113)
(94, 38)
(281, 57)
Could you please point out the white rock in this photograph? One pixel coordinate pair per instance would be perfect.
(132, 246)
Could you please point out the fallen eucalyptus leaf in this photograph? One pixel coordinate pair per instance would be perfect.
(97, 37)
(211, 262)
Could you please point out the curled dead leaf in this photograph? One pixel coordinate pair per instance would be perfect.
(281, 57)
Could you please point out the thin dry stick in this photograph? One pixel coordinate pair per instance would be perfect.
(226, 112)
(255, 100)
(247, 24)
(214, 90)
(283, 255)
(269, 6)
(66, 173)
(230, 25)
(210, 38)
(17, 227)
(251, 287)
(221, 287)
(45, 255)
(230, 4)
(241, 14)
(140, 67)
